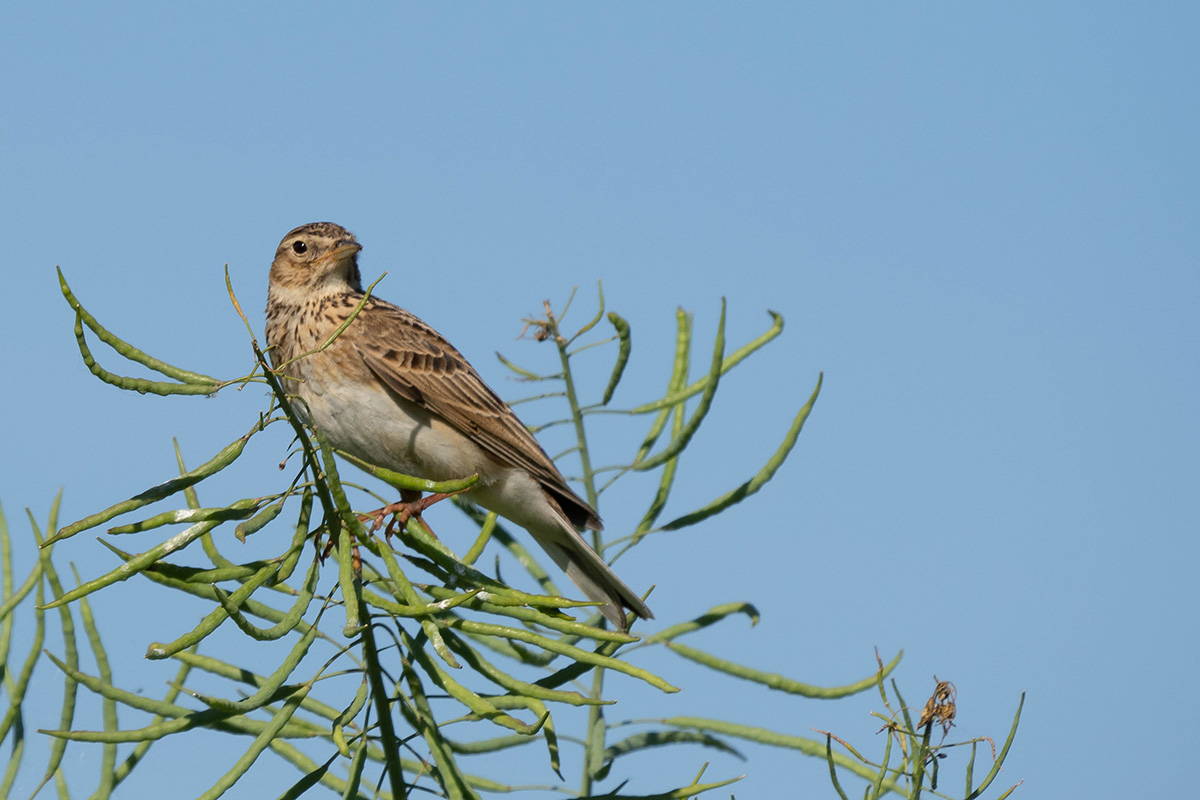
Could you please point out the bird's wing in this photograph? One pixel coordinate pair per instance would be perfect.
(419, 365)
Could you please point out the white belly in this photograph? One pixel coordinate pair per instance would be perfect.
(378, 427)
(388, 431)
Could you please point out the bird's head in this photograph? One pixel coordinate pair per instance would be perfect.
(317, 257)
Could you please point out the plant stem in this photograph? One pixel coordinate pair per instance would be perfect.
(589, 480)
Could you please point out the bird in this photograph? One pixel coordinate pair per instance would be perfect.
(392, 391)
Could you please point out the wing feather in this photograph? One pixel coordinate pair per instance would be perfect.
(419, 365)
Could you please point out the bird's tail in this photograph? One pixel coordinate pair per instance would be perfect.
(587, 570)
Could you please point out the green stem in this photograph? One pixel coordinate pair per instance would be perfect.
(595, 734)
(589, 480)
(383, 710)
(596, 726)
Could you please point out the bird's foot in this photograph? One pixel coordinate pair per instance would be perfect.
(401, 512)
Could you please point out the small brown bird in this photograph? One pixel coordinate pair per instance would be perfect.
(391, 391)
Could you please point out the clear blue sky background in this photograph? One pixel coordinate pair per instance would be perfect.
(979, 219)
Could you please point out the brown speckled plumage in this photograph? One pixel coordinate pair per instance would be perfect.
(392, 391)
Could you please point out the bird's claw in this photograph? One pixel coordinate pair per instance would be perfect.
(401, 512)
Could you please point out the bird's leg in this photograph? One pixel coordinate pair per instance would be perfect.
(376, 517)
(414, 509)
(400, 511)
(411, 504)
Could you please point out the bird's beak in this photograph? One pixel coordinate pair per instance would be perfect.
(343, 251)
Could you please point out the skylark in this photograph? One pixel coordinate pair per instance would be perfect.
(391, 391)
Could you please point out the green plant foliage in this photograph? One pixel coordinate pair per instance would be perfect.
(916, 770)
(433, 641)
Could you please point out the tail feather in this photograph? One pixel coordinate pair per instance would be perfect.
(587, 570)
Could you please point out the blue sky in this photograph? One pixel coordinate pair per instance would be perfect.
(980, 220)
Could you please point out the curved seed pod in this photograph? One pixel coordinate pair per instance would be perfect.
(624, 348)
(220, 461)
(710, 389)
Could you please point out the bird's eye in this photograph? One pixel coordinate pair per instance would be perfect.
(299, 247)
